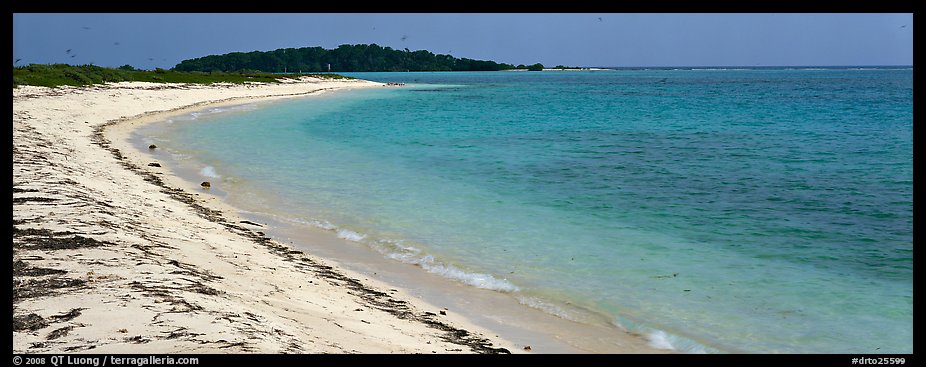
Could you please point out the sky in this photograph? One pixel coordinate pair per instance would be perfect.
(574, 39)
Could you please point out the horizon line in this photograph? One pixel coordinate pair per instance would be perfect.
(649, 66)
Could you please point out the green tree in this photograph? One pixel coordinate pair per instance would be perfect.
(536, 67)
(345, 57)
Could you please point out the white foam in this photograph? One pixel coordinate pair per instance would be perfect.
(546, 307)
(213, 111)
(408, 255)
(350, 235)
(323, 224)
(396, 250)
(660, 340)
(663, 340)
(478, 280)
(208, 171)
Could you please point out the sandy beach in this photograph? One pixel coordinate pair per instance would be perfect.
(113, 254)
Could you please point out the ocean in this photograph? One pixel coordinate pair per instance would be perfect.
(711, 210)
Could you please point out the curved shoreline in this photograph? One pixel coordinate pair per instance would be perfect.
(509, 315)
(105, 261)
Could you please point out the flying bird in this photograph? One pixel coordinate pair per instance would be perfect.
(72, 56)
(115, 43)
(600, 20)
(86, 28)
(903, 26)
(150, 59)
(17, 61)
(67, 51)
(404, 37)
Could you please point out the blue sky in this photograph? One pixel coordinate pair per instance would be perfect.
(574, 39)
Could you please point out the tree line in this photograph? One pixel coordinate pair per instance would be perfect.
(344, 58)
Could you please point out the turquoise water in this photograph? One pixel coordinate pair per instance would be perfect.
(765, 211)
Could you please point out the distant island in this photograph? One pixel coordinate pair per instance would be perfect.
(540, 67)
(344, 58)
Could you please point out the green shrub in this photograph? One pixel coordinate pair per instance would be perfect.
(63, 74)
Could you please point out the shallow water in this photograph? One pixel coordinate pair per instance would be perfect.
(765, 211)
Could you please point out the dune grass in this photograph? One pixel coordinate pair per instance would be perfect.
(78, 75)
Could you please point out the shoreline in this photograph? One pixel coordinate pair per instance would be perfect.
(501, 312)
(368, 289)
(515, 316)
(109, 258)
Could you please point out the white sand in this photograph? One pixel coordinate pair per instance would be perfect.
(168, 277)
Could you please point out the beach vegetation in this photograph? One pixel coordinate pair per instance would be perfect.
(53, 75)
(536, 67)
